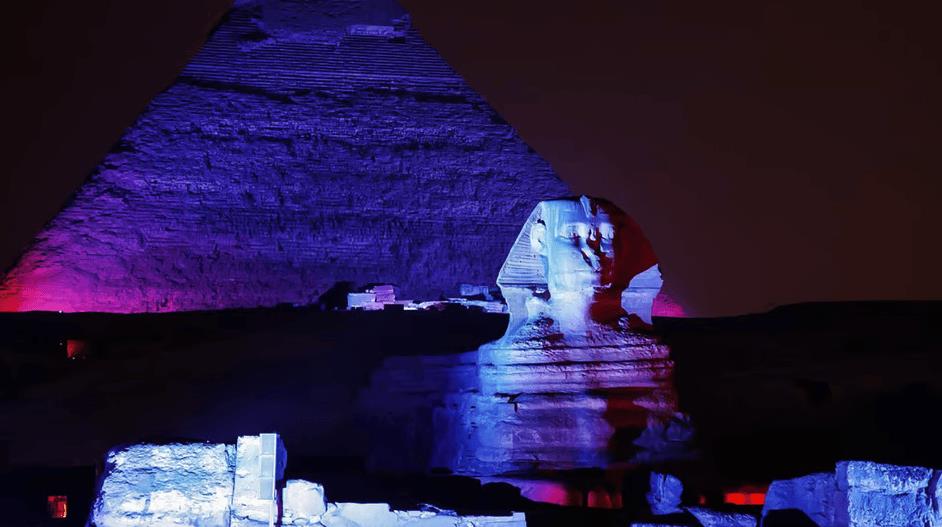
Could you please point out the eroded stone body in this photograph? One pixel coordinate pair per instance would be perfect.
(574, 367)
(577, 381)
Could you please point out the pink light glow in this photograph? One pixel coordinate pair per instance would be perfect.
(665, 306)
(566, 495)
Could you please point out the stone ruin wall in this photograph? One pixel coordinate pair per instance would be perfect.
(218, 485)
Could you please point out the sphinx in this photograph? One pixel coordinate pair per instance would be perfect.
(579, 281)
(579, 379)
(572, 261)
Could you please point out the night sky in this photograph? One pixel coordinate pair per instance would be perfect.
(774, 152)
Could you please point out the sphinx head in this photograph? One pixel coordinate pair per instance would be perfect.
(572, 247)
(577, 241)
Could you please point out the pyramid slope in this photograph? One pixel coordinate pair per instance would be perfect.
(307, 143)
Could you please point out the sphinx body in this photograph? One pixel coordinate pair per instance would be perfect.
(577, 381)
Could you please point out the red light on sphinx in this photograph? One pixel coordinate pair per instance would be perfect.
(58, 506)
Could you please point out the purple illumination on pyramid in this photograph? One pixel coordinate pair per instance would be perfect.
(306, 144)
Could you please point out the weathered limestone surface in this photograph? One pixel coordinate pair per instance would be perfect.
(175, 484)
(248, 509)
(307, 143)
(813, 495)
(886, 495)
(862, 493)
(217, 485)
(304, 502)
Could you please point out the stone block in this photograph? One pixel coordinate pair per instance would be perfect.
(814, 495)
(217, 485)
(885, 495)
(861, 493)
(174, 484)
(664, 496)
(303, 503)
(867, 476)
(249, 507)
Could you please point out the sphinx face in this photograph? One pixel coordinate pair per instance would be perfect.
(579, 239)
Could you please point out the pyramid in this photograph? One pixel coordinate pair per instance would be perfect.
(307, 144)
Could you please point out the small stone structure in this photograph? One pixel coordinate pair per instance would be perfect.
(858, 494)
(220, 485)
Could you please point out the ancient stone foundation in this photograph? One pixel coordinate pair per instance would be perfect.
(222, 485)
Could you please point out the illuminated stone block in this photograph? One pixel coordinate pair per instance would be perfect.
(859, 494)
(304, 502)
(175, 484)
(260, 464)
(215, 485)
(886, 495)
(813, 495)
